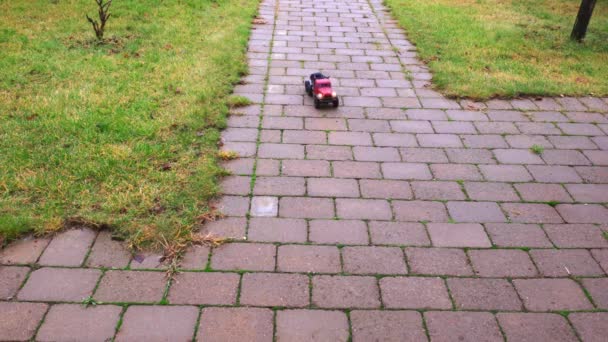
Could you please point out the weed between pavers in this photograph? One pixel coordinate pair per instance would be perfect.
(551, 203)
(89, 301)
(537, 149)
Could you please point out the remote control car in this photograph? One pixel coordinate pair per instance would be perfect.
(319, 87)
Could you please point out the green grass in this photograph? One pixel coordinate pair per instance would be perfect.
(506, 48)
(537, 149)
(122, 134)
(238, 101)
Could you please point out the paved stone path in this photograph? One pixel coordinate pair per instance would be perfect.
(401, 215)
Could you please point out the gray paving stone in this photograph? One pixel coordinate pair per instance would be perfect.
(565, 262)
(251, 324)
(74, 322)
(535, 327)
(483, 294)
(11, 278)
(274, 289)
(438, 261)
(458, 235)
(108, 253)
(502, 263)
(551, 294)
(68, 248)
(345, 292)
(517, 235)
(414, 293)
(311, 325)
(351, 232)
(590, 326)
(59, 285)
(24, 251)
(462, 326)
(20, 320)
(369, 325)
(277, 229)
(158, 323)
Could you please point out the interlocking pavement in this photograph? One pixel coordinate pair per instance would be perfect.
(401, 215)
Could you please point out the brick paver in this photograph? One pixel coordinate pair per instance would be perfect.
(195, 258)
(235, 324)
(311, 325)
(108, 253)
(234, 256)
(352, 232)
(398, 233)
(373, 260)
(277, 230)
(11, 278)
(371, 325)
(158, 323)
(25, 251)
(69, 248)
(596, 287)
(414, 293)
(345, 292)
(308, 259)
(551, 294)
(66, 322)
(204, 288)
(462, 326)
(535, 327)
(126, 286)
(590, 326)
(496, 263)
(517, 235)
(231, 227)
(438, 261)
(458, 235)
(565, 262)
(484, 294)
(399, 215)
(20, 320)
(275, 289)
(59, 284)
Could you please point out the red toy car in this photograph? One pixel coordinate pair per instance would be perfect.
(319, 87)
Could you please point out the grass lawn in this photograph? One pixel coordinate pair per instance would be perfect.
(122, 134)
(506, 48)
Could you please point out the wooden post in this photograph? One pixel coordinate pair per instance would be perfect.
(582, 20)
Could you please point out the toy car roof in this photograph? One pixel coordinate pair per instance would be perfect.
(323, 80)
(318, 76)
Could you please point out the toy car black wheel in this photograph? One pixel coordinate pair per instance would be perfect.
(308, 87)
(317, 103)
(336, 103)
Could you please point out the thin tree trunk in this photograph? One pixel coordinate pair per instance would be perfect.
(582, 20)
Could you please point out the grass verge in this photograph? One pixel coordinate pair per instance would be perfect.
(496, 48)
(122, 134)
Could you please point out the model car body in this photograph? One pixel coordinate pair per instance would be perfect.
(319, 87)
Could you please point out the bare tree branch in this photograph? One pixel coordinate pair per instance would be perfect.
(104, 15)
